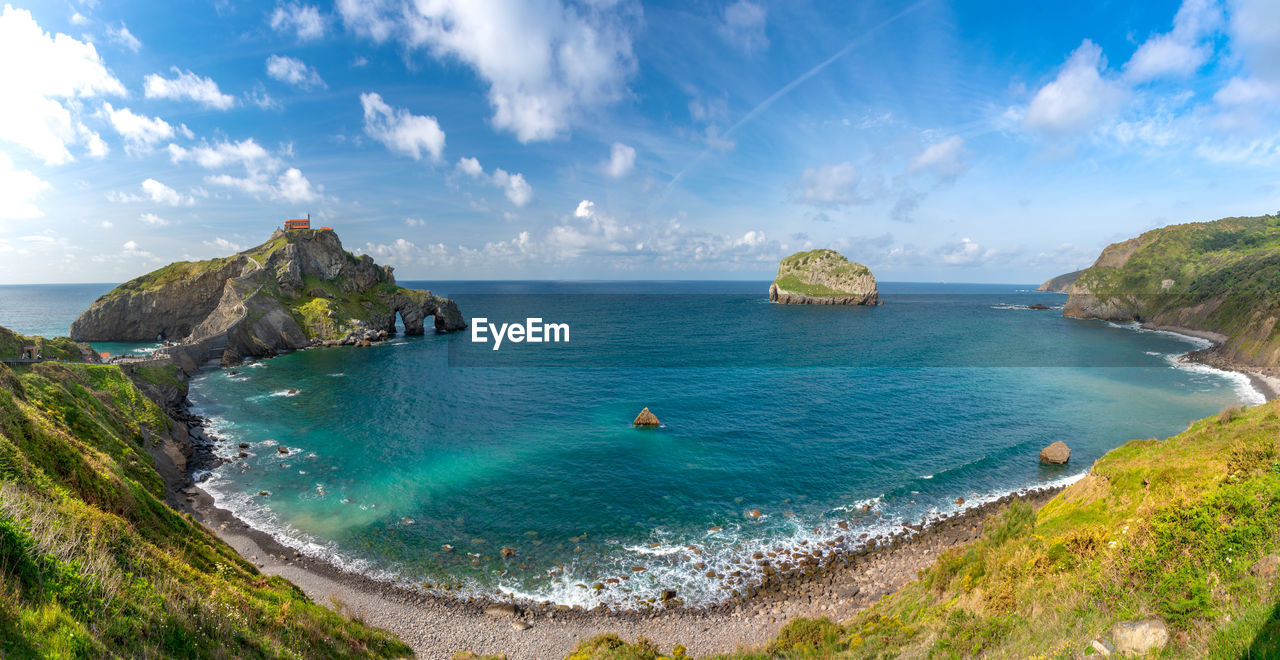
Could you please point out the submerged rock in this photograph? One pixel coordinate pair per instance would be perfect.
(1056, 453)
(646, 418)
(823, 277)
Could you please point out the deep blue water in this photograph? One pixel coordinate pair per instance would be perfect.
(399, 451)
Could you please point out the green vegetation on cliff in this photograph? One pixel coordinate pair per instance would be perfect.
(55, 348)
(94, 564)
(1184, 530)
(1222, 276)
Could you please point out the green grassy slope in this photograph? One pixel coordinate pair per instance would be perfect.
(56, 348)
(94, 564)
(1171, 529)
(828, 261)
(1222, 276)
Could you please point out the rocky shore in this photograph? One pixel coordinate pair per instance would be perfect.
(833, 582)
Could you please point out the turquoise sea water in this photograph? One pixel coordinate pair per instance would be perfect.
(420, 459)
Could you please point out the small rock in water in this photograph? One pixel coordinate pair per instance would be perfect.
(244, 445)
(754, 513)
(646, 418)
(283, 450)
(959, 501)
(1056, 453)
(508, 552)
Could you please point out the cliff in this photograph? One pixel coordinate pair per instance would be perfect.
(1061, 283)
(1219, 277)
(95, 563)
(298, 289)
(823, 277)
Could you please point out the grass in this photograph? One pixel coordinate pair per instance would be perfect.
(1158, 529)
(94, 564)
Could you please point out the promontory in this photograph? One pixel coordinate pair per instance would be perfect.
(298, 289)
(823, 277)
(1216, 279)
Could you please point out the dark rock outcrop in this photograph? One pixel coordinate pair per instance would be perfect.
(298, 289)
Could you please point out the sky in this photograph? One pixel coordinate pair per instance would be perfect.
(975, 141)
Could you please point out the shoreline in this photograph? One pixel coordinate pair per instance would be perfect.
(437, 626)
(1263, 381)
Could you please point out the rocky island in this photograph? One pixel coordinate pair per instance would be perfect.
(1213, 279)
(298, 289)
(823, 277)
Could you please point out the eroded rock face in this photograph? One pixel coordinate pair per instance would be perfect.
(1056, 453)
(823, 277)
(300, 288)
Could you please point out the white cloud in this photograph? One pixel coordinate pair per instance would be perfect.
(123, 37)
(470, 167)
(223, 246)
(546, 63)
(585, 209)
(414, 222)
(131, 246)
(138, 131)
(79, 19)
(1255, 35)
(834, 185)
(622, 159)
(154, 220)
(293, 71)
(946, 159)
(155, 192)
(290, 186)
(401, 130)
(742, 26)
(42, 77)
(246, 152)
(1078, 98)
(1182, 51)
(514, 186)
(18, 191)
(106, 224)
(305, 21)
(187, 85)
(94, 145)
(162, 194)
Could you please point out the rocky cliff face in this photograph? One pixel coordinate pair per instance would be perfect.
(298, 289)
(823, 277)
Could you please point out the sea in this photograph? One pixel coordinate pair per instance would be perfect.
(440, 463)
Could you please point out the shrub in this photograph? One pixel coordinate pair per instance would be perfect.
(809, 635)
(1228, 414)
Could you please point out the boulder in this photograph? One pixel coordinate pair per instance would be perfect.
(1266, 567)
(500, 609)
(646, 418)
(1139, 637)
(1056, 453)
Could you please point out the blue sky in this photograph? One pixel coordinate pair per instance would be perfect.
(973, 141)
